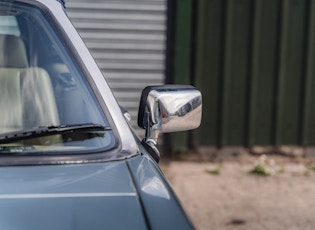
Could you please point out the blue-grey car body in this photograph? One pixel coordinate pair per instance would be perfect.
(125, 194)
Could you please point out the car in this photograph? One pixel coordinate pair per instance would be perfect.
(69, 159)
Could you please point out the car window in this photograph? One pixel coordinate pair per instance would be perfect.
(46, 102)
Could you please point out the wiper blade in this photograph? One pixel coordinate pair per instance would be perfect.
(42, 131)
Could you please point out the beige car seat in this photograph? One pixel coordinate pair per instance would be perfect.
(26, 94)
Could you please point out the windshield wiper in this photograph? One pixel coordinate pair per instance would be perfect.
(42, 131)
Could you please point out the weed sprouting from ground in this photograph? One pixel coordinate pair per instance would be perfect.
(311, 168)
(215, 171)
(281, 170)
(262, 168)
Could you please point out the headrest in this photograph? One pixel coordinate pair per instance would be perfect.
(12, 52)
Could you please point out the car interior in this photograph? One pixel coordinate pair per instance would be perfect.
(26, 92)
(40, 85)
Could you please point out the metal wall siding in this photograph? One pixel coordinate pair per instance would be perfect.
(292, 65)
(237, 47)
(209, 43)
(127, 38)
(264, 72)
(309, 85)
(183, 58)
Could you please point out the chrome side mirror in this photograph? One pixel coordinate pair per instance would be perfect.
(168, 108)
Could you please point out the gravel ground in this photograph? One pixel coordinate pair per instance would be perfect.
(224, 195)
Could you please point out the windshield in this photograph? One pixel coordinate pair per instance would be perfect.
(41, 86)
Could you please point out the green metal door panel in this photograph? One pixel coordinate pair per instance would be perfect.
(183, 60)
(264, 72)
(291, 68)
(237, 48)
(255, 65)
(208, 64)
(183, 42)
(309, 106)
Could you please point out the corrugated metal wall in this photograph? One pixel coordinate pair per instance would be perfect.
(128, 39)
(254, 62)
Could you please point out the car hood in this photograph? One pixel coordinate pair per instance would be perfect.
(81, 196)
